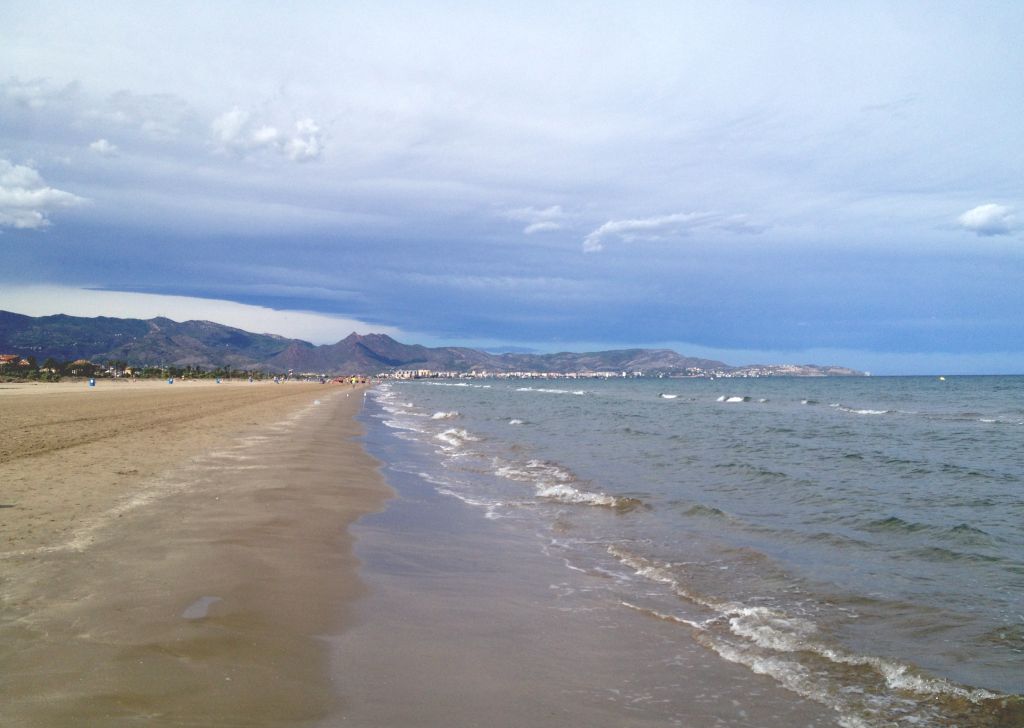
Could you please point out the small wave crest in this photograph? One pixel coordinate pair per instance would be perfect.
(732, 398)
(546, 390)
(444, 415)
(894, 524)
(705, 512)
(1001, 420)
(400, 425)
(552, 482)
(455, 437)
(855, 411)
(963, 533)
(865, 690)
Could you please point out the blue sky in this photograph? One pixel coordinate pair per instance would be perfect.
(800, 182)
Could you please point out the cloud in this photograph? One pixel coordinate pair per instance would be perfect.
(319, 328)
(25, 200)
(265, 135)
(229, 128)
(37, 94)
(104, 148)
(539, 220)
(990, 219)
(666, 226)
(236, 131)
(542, 227)
(159, 117)
(307, 144)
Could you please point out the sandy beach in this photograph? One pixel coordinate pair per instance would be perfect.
(171, 554)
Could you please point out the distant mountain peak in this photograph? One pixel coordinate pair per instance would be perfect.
(163, 342)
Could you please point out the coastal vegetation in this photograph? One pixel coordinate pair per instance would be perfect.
(15, 368)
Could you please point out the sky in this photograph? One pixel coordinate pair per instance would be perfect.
(756, 182)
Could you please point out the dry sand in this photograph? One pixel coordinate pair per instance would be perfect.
(170, 554)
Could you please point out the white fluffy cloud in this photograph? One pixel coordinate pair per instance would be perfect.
(665, 226)
(104, 148)
(229, 129)
(236, 131)
(539, 220)
(26, 200)
(990, 219)
(306, 144)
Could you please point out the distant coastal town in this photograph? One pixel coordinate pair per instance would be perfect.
(748, 372)
(15, 367)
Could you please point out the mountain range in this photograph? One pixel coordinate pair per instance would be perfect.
(163, 342)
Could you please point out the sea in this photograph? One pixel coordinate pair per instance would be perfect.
(857, 540)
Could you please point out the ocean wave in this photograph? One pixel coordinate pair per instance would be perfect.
(962, 533)
(1008, 635)
(545, 390)
(399, 425)
(854, 411)
(554, 483)
(675, 619)
(455, 437)
(444, 415)
(533, 470)
(732, 399)
(514, 421)
(402, 411)
(941, 554)
(493, 508)
(658, 572)
(969, 533)
(836, 539)
(705, 511)
(792, 650)
(567, 494)
(753, 470)
(894, 524)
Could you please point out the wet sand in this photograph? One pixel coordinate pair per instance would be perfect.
(174, 554)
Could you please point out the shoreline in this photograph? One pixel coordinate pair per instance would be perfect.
(520, 631)
(178, 554)
(728, 628)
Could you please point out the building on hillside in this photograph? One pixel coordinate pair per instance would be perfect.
(80, 367)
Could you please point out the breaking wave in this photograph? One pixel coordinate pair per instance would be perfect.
(552, 482)
(444, 415)
(791, 650)
(455, 437)
(855, 411)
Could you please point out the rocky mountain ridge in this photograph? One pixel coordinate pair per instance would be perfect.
(163, 342)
